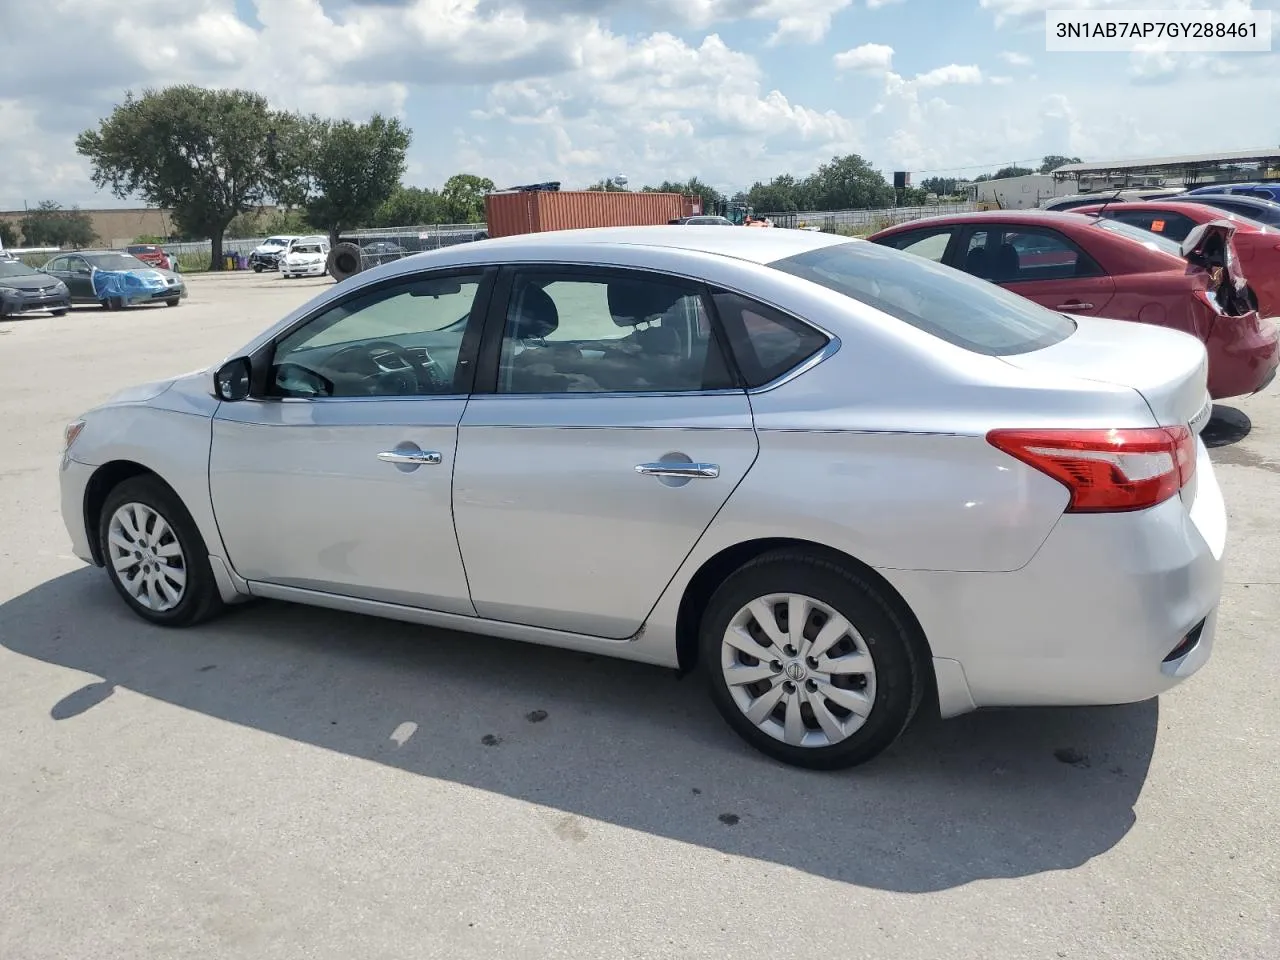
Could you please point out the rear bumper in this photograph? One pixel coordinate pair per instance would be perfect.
(1243, 355)
(1114, 608)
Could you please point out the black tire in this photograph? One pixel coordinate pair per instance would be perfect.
(60, 313)
(172, 303)
(345, 260)
(257, 268)
(899, 678)
(200, 599)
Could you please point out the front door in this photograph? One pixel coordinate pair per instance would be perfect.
(605, 434)
(1040, 264)
(338, 477)
(75, 272)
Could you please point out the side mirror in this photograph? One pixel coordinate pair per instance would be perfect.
(231, 382)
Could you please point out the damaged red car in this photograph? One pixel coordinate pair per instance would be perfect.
(1102, 267)
(1256, 244)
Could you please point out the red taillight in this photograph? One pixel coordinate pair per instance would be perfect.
(1107, 471)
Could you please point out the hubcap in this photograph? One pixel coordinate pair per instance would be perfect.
(798, 670)
(147, 557)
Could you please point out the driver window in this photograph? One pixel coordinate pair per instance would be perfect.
(397, 341)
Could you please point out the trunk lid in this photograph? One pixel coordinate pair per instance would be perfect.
(1168, 368)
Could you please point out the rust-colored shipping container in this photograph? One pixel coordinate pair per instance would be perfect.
(535, 211)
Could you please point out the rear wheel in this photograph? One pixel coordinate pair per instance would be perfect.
(155, 556)
(808, 662)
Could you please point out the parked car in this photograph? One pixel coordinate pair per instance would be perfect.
(704, 221)
(115, 280)
(1258, 246)
(835, 478)
(151, 255)
(266, 255)
(305, 257)
(379, 252)
(25, 289)
(1262, 211)
(1261, 191)
(1105, 268)
(1073, 200)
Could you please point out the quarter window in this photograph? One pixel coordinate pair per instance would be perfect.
(1167, 223)
(398, 341)
(766, 343)
(637, 334)
(930, 244)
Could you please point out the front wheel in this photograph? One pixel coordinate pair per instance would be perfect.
(257, 268)
(808, 662)
(172, 303)
(59, 313)
(155, 556)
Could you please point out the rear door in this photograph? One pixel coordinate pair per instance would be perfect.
(1039, 263)
(605, 433)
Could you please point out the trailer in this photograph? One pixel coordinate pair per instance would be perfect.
(1019, 193)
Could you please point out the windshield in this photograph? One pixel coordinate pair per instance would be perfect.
(275, 241)
(117, 261)
(951, 305)
(1152, 241)
(15, 268)
(307, 248)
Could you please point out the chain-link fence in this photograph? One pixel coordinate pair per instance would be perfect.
(864, 220)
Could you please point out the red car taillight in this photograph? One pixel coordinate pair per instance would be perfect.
(1107, 471)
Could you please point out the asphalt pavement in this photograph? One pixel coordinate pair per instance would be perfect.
(295, 783)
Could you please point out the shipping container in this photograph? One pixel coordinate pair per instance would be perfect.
(536, 211)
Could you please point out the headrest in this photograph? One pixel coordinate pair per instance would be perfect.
(976, 262)
(1007, 261)
(633, 301)
(535, 315)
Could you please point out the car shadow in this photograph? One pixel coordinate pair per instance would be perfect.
(990, 795)
(1227, 425)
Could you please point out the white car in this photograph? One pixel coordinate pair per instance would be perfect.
(266, 255)
(837, 478)
(305, 257)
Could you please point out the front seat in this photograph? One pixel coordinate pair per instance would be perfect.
(534, 365)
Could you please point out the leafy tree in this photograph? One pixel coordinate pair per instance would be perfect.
(409, 206)
(463, 198)
(846, 183)
(349, 170)
(782, 194)
(1013, 171)
(205, 155)
(48, 225)
(1052, 162)
(607, 186)
(8, 234)
(942, 186)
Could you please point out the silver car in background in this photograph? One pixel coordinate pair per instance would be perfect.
(840, 480)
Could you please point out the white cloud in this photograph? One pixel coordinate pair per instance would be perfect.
(1000, 81)
(951, 73)
(870, 57)
(1015, 59)
(877, 4)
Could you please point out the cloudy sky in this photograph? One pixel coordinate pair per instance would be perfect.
(577, 90)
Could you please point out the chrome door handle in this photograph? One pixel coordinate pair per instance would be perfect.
(409, 456)
(1074, 305)
(666, 468)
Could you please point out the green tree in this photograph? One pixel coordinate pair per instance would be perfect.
(205, 155)
(409, 207)
(693, 187)
(350, 170)
(48, 225)
(942, 186)
(846, 183)
(8, 233)
(463, 198)
(607, 186)
(782, 194)
(1053, 161)
(1012, 171)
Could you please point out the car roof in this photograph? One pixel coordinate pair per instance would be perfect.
(1030, 217)
(755, 246)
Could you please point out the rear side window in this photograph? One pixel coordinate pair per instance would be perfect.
(953, 306)
(1153, 241)
(765, 342)
(930, 244)
(1167, 223)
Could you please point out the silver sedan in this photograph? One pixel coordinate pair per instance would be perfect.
(839, 480)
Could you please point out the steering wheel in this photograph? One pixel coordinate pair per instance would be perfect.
(428, 375)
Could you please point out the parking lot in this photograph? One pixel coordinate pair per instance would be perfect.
(287, 782)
